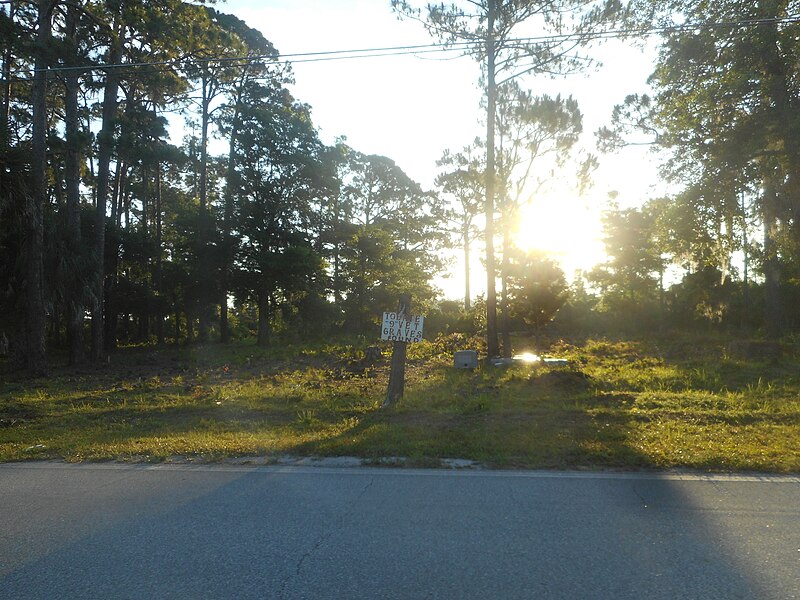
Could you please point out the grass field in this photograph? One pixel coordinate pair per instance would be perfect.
(662, 402)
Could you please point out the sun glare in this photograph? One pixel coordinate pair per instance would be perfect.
(568, 229)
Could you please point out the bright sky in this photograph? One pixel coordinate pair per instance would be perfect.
(410, 108)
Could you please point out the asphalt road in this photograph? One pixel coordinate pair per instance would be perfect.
(113, 531)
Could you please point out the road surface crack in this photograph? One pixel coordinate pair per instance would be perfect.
(324, 537)
(639, 495)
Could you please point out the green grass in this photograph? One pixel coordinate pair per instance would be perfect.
(666, 402)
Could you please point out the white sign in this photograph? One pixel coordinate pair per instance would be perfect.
(396, 328)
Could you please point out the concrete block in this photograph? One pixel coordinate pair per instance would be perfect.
(465, 359)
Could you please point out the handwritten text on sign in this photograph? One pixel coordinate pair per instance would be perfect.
(401, 330)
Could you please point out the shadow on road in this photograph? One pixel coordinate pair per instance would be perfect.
(174, 532)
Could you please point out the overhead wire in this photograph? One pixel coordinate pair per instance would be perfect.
(392, 51)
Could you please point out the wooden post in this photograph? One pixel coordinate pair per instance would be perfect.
(397, 374)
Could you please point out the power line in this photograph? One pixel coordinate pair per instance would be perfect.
(406, 50)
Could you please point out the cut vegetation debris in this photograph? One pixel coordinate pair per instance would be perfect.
(669, 402)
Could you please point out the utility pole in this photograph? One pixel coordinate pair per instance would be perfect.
(493, 347)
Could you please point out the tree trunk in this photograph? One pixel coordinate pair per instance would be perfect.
(467, 293)
(224, 328)
(773, 317)
(33, 211)
(337, 284)
(116, 203)
(189, 328)
(397, 373)
(493, 348)
(506, 326)
(205, 219)
(263, 319)
(72, 176)
(110, 316)
(124, 196)
(227, 221)
(745, 267)
(105, 144)
(5, 108)
(177, 324)
(145, 199)
(159, 284)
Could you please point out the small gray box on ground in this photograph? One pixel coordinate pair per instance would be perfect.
(465, 359)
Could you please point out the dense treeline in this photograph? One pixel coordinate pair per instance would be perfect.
(110, 232)
(725, 113)
(101, 214)
(723, 251)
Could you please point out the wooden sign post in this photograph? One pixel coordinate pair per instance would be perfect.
(400, 327)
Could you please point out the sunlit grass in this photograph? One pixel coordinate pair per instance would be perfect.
(657, 403)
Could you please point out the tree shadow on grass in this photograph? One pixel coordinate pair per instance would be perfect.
(523, 419)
